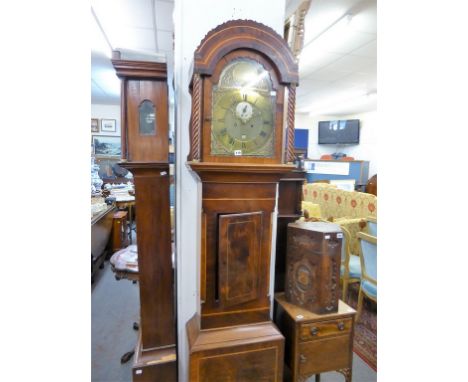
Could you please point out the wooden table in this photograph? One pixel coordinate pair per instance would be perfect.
(316, 343)
(101, 227)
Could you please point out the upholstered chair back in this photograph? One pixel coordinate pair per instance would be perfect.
(369, 257)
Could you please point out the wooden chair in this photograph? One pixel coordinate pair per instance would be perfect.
(368, 255)
(350, 271)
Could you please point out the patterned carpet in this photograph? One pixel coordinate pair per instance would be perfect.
(365, 334)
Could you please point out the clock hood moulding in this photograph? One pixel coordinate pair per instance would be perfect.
(237, 34)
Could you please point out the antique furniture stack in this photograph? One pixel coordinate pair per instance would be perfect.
(145, 151)
(242, 130)
(317, 326)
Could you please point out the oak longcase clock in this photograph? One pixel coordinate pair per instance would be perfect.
(241, 131)
(145, 152)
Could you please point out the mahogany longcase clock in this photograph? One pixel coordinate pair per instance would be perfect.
(145, 151)
(242, 130)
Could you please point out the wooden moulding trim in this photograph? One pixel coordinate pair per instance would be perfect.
(140, 69)
(207, 339)
(193, 327)
(240, 167)
(290, 126)
(293, 179)
(154, 356)
(123, 119)
(223, 313)
(247, 34)
(195, 119)
(145, 165)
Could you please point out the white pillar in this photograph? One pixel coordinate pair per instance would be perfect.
(193, 19)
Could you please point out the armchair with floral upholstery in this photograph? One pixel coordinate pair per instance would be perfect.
(349, 209)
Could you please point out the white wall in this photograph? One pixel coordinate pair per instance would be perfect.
(193, 20)
(365, 150)
(106, 112)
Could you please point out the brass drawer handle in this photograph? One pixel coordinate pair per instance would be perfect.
(341, 325)
(302, 358)
(314, 331)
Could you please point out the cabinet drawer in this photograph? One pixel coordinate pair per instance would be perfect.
(324, 329)
(324, 355)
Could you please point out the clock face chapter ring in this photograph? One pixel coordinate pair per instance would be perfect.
(243, 110)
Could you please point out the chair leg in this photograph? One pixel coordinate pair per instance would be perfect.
(345, 290)
(359, 304)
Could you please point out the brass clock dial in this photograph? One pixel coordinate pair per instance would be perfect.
(243, 111)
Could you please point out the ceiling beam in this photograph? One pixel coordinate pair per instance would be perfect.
(155, 30)
(101, 28)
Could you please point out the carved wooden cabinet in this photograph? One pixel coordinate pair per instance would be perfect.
(313, 263)
(145, 152)
(242, 130)
(316, 343)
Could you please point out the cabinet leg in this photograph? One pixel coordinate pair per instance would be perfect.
(317, 377)
(348, 374)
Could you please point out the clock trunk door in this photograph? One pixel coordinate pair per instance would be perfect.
(240, 239)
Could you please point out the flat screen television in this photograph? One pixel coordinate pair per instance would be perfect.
(338, 132)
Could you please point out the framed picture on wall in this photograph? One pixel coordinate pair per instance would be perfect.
(108, 125)
(94, 125)
(105, 145)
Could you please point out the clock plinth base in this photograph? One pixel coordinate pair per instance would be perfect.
(245, 353)
(154, 365)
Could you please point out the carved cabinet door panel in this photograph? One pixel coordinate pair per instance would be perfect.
(239, 248)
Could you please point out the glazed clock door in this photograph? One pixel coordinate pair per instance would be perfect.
(239, 254)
